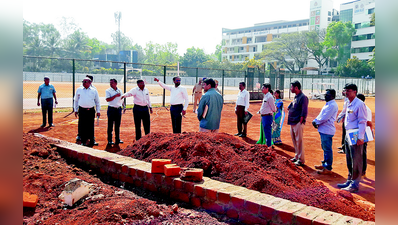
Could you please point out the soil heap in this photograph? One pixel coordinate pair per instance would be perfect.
(229, 159)
(45, 174)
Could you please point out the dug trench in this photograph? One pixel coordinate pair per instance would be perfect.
(231, 160)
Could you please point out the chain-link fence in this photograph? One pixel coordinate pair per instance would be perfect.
(66, 76)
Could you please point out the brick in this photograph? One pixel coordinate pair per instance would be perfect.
(249, 218)
(211, 194)
(237, 202)
(148, 176)
(30, 200)
(284, 214)
(192, 174)
(171, 170)
(141, 174)
(199, 191)
(180, 196)
(267, 208)
(164, 191)
(307, 215)
(254, 201)
(115, 176)
(189, 187)
(132, 172)
(326, 217)
(348, 220)
(168, 181)
(212, 206)
(157, 179)
(195, 202)
(129, 180)
(137, 183)
(157, 165)
(87, 158)
(178, 183)
(122, 177)
(143, 167)
(223, 197)
(150, 186)
(232, 213)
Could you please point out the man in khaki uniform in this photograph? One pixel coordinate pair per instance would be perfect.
(197, 93)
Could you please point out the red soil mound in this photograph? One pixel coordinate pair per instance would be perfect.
(228, 159)
(45, 174)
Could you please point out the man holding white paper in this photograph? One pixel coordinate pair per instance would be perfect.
(355, 118)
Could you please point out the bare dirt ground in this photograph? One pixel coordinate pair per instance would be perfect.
(66, 129)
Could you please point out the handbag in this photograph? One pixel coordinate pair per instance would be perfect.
(247, 117)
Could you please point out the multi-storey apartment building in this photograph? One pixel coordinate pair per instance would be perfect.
(248, 42)
(359, 13)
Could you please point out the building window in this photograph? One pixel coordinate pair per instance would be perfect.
(329, 13)
(284, 26)
(279, 27)
(275, 28)
(370, 11)
(329, 19)
(289, 26)
(300, 24)
(294, 25)
(357, 25)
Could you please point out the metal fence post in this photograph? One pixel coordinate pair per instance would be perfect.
(125, 80)
(197, 73)
(222, 89)
(246, 76)
(164, 81)
(73, 83)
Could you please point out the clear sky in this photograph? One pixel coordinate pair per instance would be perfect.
(185, 22)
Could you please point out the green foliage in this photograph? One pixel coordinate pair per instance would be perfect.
(338, 35)
(354, 68)
(194, 57)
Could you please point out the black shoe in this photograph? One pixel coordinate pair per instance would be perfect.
(238, 134)
(299, 163)
(78, 138)
(341, 152)
(51, 125)
(43, 125)
(119, 142)
(346, 184)
(242, 135)
(293, 159)
(94, 143)
(341, 148)
(110, 143)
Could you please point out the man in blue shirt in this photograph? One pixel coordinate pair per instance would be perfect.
(209, 109)
(324, 122)
(46, 93)
(355, 118)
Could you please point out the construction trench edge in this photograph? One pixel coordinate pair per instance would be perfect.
(248, 206)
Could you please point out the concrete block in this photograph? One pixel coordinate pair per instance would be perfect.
(326, 217)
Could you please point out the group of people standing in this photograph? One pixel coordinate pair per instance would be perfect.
(355, 115)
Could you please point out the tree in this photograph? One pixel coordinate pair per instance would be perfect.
(76, 45)
(289, 50)
(125, 42)
(372, 61)
(373, 19)
(194, 57)
(338, 35)
(354, 68)
(316, 47)
(68, 26)
(273, 52)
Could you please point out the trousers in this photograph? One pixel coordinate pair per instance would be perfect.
(176, 117)
(114, 119)
(141, 113)
(47, 107)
